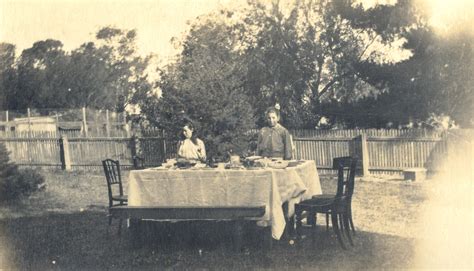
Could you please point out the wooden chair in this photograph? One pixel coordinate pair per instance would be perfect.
(114, 183)
(346, 162)
(338, 205)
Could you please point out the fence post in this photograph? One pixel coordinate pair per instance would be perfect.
(107, 125)
(57, 124)
(165, 151)
(64, 153)
(29, 122)
(84, 122)
(7, 125)
(361, 152)
(125, 124)
(135, 149)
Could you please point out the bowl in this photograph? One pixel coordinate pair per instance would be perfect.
(279, 164)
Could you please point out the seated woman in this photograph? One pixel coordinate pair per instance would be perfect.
(190, 147)
(274, 140)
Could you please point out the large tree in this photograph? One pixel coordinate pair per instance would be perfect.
(41, 76)
(7, 72)
(127, 79)
(107, 73)
(205, 86)
(436, 80)
(236, 63)
(304, 53)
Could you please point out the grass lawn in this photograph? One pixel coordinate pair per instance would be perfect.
(65, 228)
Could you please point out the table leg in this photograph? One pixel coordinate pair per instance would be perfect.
(288, 232)
(267, 239)
(290, 226)
(238, 235)
(135, 229)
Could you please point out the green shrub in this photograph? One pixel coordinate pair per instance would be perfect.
(16, 182)
(27, 181)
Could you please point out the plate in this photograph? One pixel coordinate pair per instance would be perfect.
(158, 168)
(255, 157)
(280, 164)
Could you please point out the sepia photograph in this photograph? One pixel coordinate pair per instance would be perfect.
(236, 135)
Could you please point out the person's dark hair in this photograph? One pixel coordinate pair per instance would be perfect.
(193, 137)
(272, 109)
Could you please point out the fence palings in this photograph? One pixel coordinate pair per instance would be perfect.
(152, 150)
(386, 154)
(88, 152)
(394, 154)
(322, 150)
(33, 151)
(409, 133)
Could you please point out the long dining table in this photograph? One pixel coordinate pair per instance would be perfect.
(207, 187)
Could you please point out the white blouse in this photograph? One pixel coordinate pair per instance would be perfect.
(188, 150)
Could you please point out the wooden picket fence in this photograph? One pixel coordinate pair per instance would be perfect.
(33, 151)
(94, 130)
(82, 152)
(387, 154)
(348, 133)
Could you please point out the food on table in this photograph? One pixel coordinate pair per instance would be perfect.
(185, 163)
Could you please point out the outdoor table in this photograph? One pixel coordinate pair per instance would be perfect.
(207, 187)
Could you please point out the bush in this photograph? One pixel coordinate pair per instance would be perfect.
(16, 182)
(26, 182)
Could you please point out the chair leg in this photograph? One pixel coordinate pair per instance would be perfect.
(342, 226)
(298, 218)
(310, 217)
(314, 228)
(341, 223)
(349, 213)
(345, 219)
(327, 221)
(120, 226)
(335, 227)
(110, 219)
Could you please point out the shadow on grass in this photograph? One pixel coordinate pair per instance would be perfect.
(84, 241)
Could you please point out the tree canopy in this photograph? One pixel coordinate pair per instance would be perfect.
(299, 54)
(107, 73)
(319, 59)
(205, 86)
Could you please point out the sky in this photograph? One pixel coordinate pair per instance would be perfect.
(23, 22)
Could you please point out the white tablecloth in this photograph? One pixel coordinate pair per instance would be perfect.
(227, 187)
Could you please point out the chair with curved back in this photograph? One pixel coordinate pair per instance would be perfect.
(346, 162)
(114, 186)
(338, 206)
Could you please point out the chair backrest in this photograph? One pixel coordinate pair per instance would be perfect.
(112, 174)
(346, 168)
